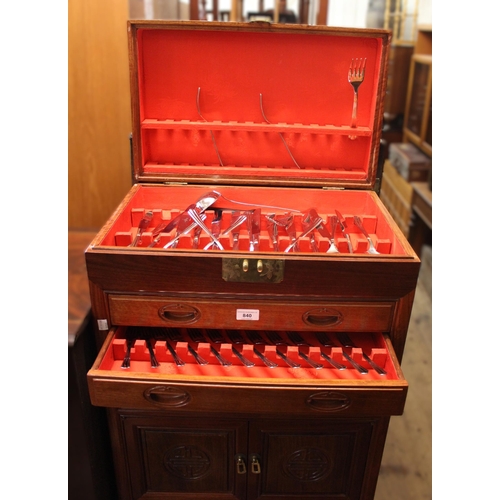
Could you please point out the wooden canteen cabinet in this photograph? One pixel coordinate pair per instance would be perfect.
(260, 114)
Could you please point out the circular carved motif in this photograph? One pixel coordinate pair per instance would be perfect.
(307, 464)
(186, 462)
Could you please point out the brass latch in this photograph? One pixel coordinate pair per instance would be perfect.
(244, 270)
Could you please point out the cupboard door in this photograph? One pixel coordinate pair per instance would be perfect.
(307, 460)
(181, 458)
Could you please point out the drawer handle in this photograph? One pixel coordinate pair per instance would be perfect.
(179, 313)
(241, 467)
(322, 317)
(167, 396)
(328, 401)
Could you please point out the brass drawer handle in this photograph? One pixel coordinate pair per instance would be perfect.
(179, 313)
(167, 396)
(328, 401)
(241, 468)
(255, 464)
(322, 317)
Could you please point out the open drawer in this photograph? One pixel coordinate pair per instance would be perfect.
(346, 380)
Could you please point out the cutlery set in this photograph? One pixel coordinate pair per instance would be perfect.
(226, 228)
(248, 347)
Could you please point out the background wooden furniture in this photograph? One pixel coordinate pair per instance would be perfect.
(417, 126)
(421, 222)
(99, 121)
(90, 466)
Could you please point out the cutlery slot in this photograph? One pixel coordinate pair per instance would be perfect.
(289, 202)
(372, 344)
(186, 242)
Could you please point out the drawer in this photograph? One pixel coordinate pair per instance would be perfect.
(238, 389)
(273, 315)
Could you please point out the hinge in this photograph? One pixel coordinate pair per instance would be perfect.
(333, 188)
(175, 183)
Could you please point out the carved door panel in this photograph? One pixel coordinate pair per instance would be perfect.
(176, 458)
(307, 460)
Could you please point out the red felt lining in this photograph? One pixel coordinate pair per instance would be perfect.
(373, 344)
(168, 202)
(306, 98)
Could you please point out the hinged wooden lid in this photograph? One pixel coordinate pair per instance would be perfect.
(255, 103)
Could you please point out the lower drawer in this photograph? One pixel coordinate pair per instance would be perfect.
(326, 379)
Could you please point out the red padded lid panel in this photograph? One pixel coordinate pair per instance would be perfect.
(255, 104)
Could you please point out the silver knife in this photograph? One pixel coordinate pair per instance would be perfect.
(311, 227)
(186, 230)
(236, 230)
(324, 232)
(236, 221)
(255, 230)
(272, 229)
(305, 224)
(143, 224)
(215, 225)
(342, 223)
(292, 234)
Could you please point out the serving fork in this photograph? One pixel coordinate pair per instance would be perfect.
(355, 76)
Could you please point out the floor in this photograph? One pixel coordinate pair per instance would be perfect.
(406, 471)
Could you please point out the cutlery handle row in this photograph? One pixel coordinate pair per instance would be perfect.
(183, 353)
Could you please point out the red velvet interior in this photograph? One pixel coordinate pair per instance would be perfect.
(305, 92)
(373, 344)
(167, 202)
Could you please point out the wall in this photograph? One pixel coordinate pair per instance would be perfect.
(99, 121)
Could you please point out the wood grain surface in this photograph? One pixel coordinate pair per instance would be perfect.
(99, 122)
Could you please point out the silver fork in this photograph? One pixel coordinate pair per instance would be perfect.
(323, 338)
(347, 342)
(327, 342)
(356, 75)
(297, 339)
(276, 339)
(305, 222)
(236, 338)
(216, 337)
(126, 359)
(371, 246)
(256, 339)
